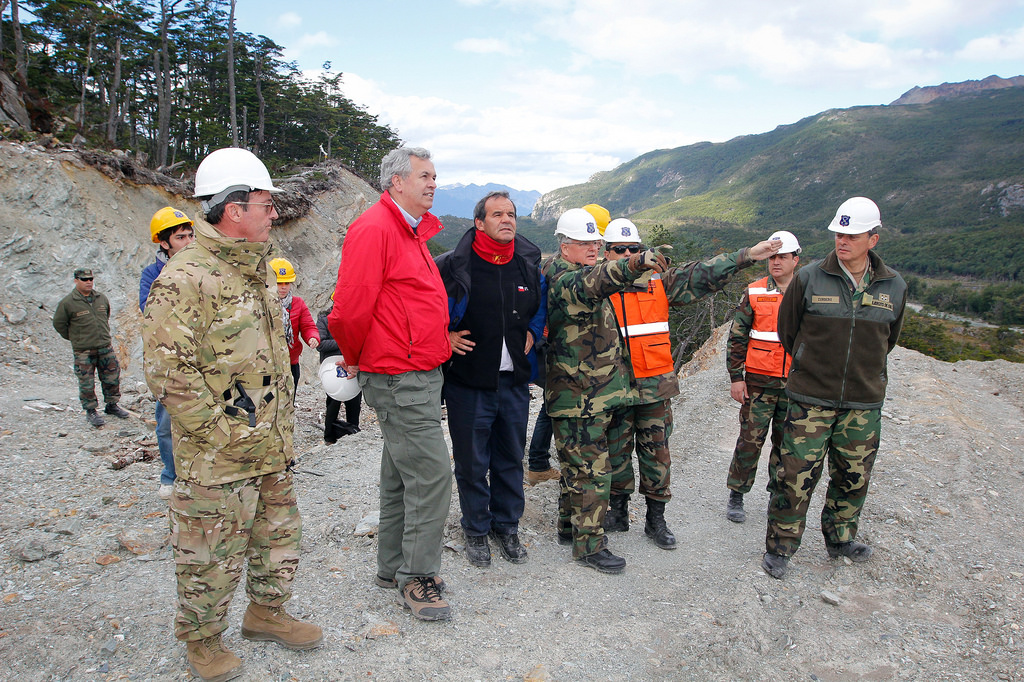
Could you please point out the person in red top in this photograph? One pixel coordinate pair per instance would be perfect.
(390, 319)
(298, 321)
(754, 347)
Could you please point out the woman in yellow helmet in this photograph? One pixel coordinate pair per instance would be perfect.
(298, 322)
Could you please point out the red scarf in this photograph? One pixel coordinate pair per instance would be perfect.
(492, 251)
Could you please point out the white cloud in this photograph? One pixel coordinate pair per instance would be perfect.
(484, 46)
(289, 20)
(1007, 47)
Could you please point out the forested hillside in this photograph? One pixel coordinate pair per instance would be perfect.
(948, 176)
(171, 81)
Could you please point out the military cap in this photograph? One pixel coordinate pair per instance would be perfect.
(83, 272)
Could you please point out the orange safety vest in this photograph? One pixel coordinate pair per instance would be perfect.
(765, 354)
(643, 322)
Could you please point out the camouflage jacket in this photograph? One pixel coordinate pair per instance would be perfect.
(85, 322)
(739, 337)
(587, 371)
(216, 357)
(684, 285)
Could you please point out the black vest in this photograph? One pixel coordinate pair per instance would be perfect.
(502, 300)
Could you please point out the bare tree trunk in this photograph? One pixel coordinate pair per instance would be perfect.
(20, 63)
(85, 78)
(115, 85)
(161, 106)
(245, 126)
(231, 75)
(3, 6)
(260, 116)
(163, 80)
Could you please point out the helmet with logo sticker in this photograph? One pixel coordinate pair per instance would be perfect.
(856, 216)
(578, 224)
(622, 230)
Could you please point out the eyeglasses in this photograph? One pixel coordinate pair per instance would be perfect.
(589, 245)
(268, 205)
(632, 248)
(85, 279)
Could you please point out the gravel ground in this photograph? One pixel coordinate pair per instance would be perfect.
(87, 587)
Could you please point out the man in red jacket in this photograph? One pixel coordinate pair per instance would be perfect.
(390, 320)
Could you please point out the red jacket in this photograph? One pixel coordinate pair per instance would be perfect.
(390, 310)
(302, 326)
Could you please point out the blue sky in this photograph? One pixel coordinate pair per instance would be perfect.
(539, 94)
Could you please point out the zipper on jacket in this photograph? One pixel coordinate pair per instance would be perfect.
(849, 342)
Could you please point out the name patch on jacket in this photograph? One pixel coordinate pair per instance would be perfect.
(881, 301)
(824, 299)
(769, 299)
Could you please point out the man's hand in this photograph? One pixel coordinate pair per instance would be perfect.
(351, 369)
(738, 391)
(529, 341)
(313, 342)
(655, 258)
(460, 344)
(765, 249)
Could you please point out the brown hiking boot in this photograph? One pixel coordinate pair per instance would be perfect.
(422, 596)
(274, 624)
(210, 661)
(535, 477)
(391, 583)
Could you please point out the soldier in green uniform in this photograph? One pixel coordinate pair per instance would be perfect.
(587, 377)
(645, 422)
(216, 357)
(839, 320)
(83, 318)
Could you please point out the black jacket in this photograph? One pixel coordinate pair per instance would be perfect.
(522, 307)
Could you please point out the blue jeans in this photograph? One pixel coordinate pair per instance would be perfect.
(163, 441)
(488, 430)
(540, 442)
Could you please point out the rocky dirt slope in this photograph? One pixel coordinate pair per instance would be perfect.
(88, 587)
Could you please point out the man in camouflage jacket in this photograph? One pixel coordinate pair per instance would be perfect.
(587, 378)
(646, 420)
(216, 357)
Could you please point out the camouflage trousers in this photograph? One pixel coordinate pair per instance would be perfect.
(647, 428)
(87, 362)
(849, 438)
(764, 409)
(582, 446)
(215, 530)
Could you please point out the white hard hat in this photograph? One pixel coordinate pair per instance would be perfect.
(578, 224)
(621, 230)
(230, 170)
(338, 383)
(856, 216)
(789, 242)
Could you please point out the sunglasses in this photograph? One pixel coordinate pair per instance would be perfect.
(85, 279)
(269, 205)
(632, 248)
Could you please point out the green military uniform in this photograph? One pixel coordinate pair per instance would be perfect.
(764, 408)
(587, 378)
(647, 418)
(216, 357)
(839, 336)
(85, 322)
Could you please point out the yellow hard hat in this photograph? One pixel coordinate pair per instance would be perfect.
(283, 269)
(166, 217)
(601, 216)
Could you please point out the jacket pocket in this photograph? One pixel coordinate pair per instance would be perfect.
(657, 355)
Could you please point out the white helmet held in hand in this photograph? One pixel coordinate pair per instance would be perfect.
(621, 230)
(230, 170)
(338, 383)
(856, 216)
(578, 224)
(789, 242)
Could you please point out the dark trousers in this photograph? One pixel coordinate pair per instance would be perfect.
(540, 443)
(488, 431)
(353, 407)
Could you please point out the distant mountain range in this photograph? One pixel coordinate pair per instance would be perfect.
(947, 174)
(459, 200)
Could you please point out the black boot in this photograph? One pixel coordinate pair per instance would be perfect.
(734, 510)
(617, 516)
(604, 561)
(655, 528)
